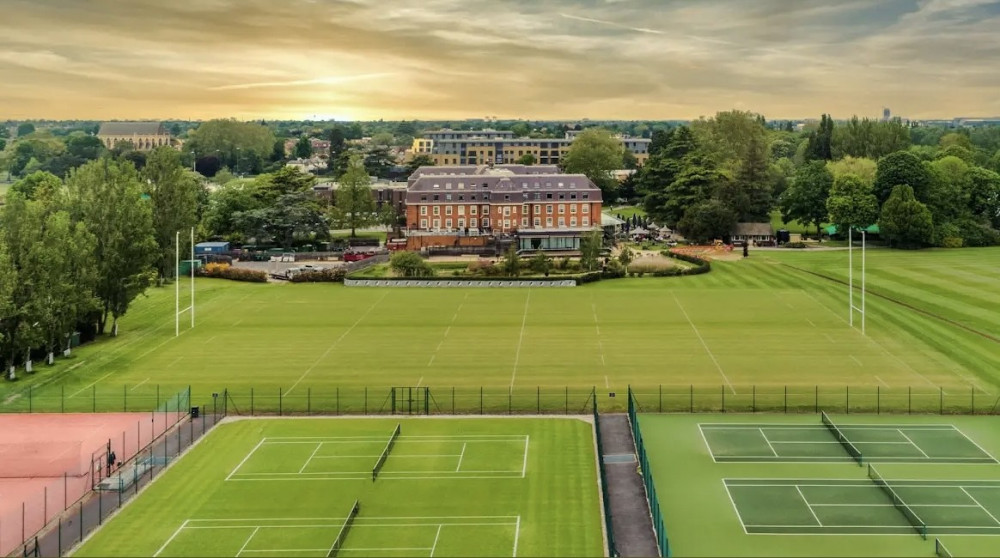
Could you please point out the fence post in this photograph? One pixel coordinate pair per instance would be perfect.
(817, 400)
(786, 400)
(59, 551)
(65, 490)
(45, 505)
(100, 502)
(279, 401)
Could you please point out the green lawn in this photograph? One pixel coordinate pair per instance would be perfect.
(626, 211)
(749, 326)
(766, 485)
(458, 487)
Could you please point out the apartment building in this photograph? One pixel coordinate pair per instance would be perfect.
(482, 147)
(546, 210)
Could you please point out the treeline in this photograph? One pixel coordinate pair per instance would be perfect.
(705, 177)
(75, 253)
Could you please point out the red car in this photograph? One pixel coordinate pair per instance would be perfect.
(356, 256)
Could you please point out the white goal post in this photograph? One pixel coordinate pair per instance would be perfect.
(177, 284)
(852, 307)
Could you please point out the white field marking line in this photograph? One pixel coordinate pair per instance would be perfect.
(380, 455)
(447, 330)
(761, 430)
(517, 535)
(431, 361)
(357, 520)
(892, 505)
(421, 380)
(210, 339)
(853, 483)
(707, 445)
(91, 384)
(901, 433)
(986, 453)
(807, 426)
(524, 465)
(855, 359)
(238, 322)
(735, 509)
(335, 343)
(76, 365)
(827, 442)
(459, 466)
(175, 361)
(973, 498)
(436, 537)
(810, 322)
(245, 459)
(311, 455)
(880, 381)
(828, 338)
(703, 344)
(172, 537)
(520, 339)
(250, 538)
(803, 496)
(139, 384)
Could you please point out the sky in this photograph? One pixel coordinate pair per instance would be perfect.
(532, 59)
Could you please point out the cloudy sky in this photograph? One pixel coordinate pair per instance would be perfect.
(366, 59)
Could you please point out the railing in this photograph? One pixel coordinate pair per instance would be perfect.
(605, 494)
(355, 399)
(662, 542)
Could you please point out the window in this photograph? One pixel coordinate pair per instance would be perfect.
(562, 221)
(461, 210)
(447, 185)
(506, 197)
(586, 196)
(447, 223)
(423, 223)
(437, 210)
(486, 210)
(524, 209)
(572, 221)
(473, 198)
(548, 209)
(423, 197)
(572, 208)
(572, 196)
(447, 197)
(506, 223)
(486, 222)
(524, 222)
(538, 221)
(447, 210)
(585, 221)
(423, 210)
(472, 222)
(506, 211)
(461, 223)
(538, 209)
(548, 221)
(461, 185)
(436, 197)
(437, 223)
(548, 196)
(472, 209)
(562, 209)
(562, 196)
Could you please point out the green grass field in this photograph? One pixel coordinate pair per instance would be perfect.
(748, 327)
(458, 487)
(766, 485)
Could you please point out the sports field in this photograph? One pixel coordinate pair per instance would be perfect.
(794, 486)
(449, 487)
(756, 324)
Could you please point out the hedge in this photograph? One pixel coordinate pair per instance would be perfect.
(323, 276)
(234, 274)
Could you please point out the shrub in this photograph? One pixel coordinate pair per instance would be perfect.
(795, 245)
(647, 266)
(324, 276)
(223, 271)
(701, 265)
(564, 263)
(410, 264)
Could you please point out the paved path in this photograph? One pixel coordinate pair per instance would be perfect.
(630, 520)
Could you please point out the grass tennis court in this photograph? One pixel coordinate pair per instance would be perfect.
(724, 492)
(440, 487)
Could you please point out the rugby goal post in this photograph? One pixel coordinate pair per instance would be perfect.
(852, 306)
(177, 284)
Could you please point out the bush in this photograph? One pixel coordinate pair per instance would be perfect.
(324, 276)
(701, 265)
(223, 271)
(410, 264)
(976, 234)
(794, 245)
(646, 266)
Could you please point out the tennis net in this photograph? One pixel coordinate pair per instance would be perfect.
(385, 453)
(940, 549)
(910, 515)
(339, 541)
(852, 450)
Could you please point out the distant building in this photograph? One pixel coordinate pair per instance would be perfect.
(482, 147)
(886, 114)
(760, 233)
(143, 135)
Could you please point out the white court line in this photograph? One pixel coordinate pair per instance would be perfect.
(311, 455)
(855, 359)
(855, 483)
(139, 384)
(242, 548)
(810, 322)
(91, 384)
(799, 490)
(735, 509)
(338, 521)
(337, 342)
(75, 365)
(459, 466)
(959, 430)
(436, 537)
(881, 381)
(761, 430)
(517, 535)
(380, 455)
(260, 443)
(289, 550)
(911, 441)
(210, 339)
(524, 466)
(238, 322)
(836, 442)
(973, 498)
(703, 344)
(520, 339)
(172, 537)
(707, 446)
(435, 436)
(421, 380)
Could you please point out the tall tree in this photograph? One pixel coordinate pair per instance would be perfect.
(591, 244)
(417, 162)
(25, 129)
(174, 196)
(239, 145)
(851, 203)
(338, 159)
(820, 146)
(354, 204)
(706, 221)
(303, 147)
(901, 167)
(984, 196)
(906, 222)
(595, 153)
(863, 168)
(106, 195)
(749, 193)
(661, 170)
(805, 199)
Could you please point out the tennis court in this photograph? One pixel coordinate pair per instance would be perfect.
(875, 506)
(828, 442)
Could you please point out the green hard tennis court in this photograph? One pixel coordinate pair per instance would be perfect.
(899, 443)
(862, 507)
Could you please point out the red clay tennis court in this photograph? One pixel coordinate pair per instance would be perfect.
(49, 461)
